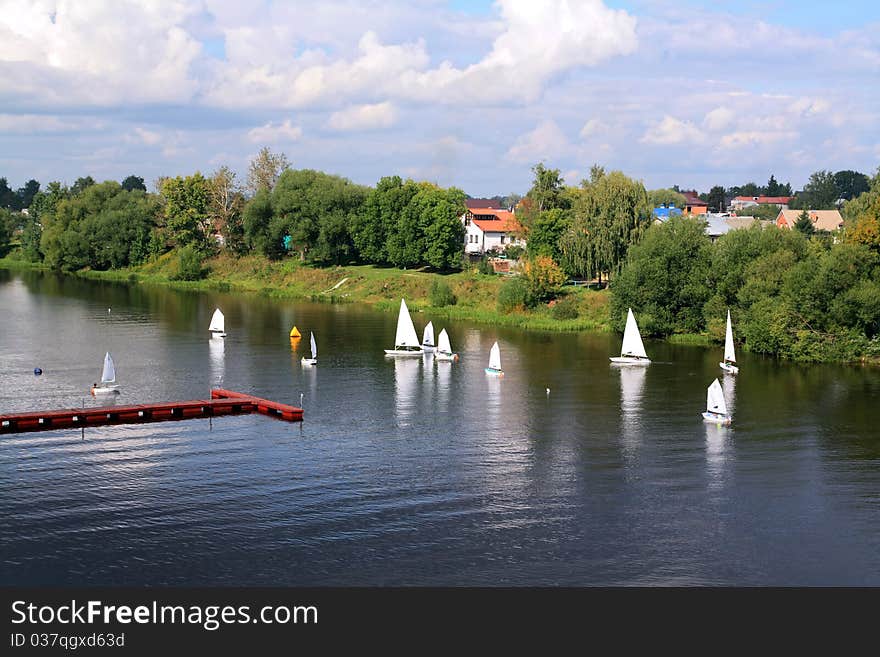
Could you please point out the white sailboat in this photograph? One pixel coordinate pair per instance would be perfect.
(632, 351)
(495, 361)
(108, 385)
(217, 327)
(729, 364)
(428, 337)
(308, 362)
(406, 340)
(444, 349)
(716, 408)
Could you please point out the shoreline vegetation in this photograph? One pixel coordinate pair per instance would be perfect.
(376, 287)
(796, 292)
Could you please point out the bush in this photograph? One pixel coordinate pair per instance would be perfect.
(514, 295)
(189, 264)
(565, 309)
(441, 294)
(543, 277)
(485, 267)
(514, 252)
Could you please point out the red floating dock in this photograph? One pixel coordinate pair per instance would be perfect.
(222, 402)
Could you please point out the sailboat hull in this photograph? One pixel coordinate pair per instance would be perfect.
(309, 362)
(493, 372)
(446, 356)
(727, 367)
(428, 348)
(630, 360)
(716, 419)
(105, 390)
(218, 334)
(404, 352)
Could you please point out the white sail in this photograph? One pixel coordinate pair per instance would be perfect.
(218, 322)
(314, 346)
(632, 341)
(715, 399)
(729, 355)
(109, 373)
(443, 345)
(406, 332)
(428, 335)
(495, 357)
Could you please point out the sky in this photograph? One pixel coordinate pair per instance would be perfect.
(470, 93)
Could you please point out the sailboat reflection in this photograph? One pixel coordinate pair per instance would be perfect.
(218, 361)
(444, 381)
(406, 373)
(632, 387)
(718, 437)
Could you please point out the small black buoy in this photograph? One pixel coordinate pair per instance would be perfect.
(37, 371)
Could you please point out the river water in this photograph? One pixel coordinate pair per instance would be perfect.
(411, 472)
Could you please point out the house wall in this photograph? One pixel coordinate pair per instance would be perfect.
(473, 238)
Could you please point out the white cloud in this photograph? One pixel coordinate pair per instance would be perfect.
(672, 131)
(593, 127)
(719, 118)
(743, 138)
(363, 117)
(38, 123)
(271, 133)
(97, 53)
(148, 137)
(546, 141)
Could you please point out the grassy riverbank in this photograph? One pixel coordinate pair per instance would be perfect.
(379, 287)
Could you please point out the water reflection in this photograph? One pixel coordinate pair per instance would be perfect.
(444, 381)
(406, 372)
(632, 386)
(217, 347)
(728, 385)
(717, 452)
(718, 437)
(493, 402)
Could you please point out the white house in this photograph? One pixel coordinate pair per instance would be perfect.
(487, 229)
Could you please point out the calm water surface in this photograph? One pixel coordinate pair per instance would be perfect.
(416, 472)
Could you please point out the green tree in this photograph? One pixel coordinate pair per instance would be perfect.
(665, 278)
(609, 216)
(763, 211)
(546, 232)
(8, 198)
(81, 185)
(665, 197)
(716, 199)
(444, 234)
(7, 225)
(429, 230)
(258, 226)
(265, 170)
(773, 188)
(379, 217)
(225, 209)
(187, 201)
(804, 224)
(820, 193)
(305, 202)
(544, 278)
(132, 183)
(27, 192)
(547, 188)
(850, 184)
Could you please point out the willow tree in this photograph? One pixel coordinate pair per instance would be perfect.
(610, 213)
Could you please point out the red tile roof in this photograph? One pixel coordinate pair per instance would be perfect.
(501, 221)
